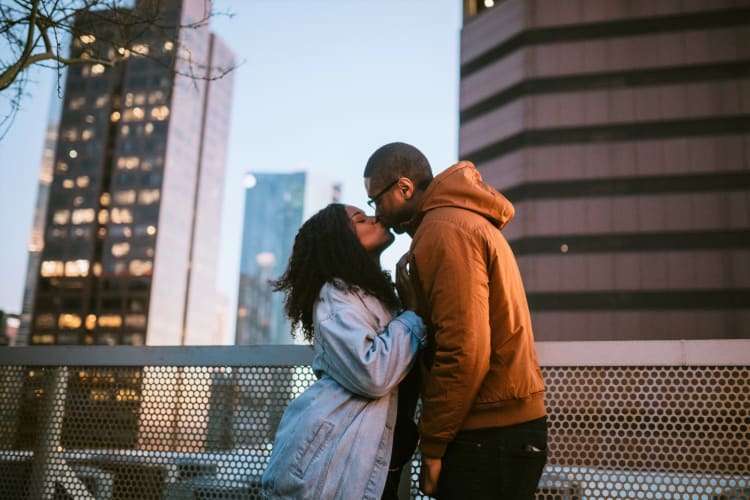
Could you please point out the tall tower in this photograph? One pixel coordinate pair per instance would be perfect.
(620, 131)
(131, 231)
(276, 204)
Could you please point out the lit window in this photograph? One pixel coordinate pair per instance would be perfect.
(168, 45)
(148, 196)
(102, 101)
(133, 114)
(76, 268)
(149, 128)
(120, 249)
(125, 197)
(140, 49)
(82, 181)
(61, 167)
(141, 267)
(128, 162)
(110, 320)
(115, 116)
(45, 321)
(97, 69)
(87, 134)
(139, 99)
(125, 130)
(61, 216)
(90, 321)
(73, 153)
(121, 216)
(156, 97)
(160, 113)
(75, 104)
(43, 339)
(103, 217)
(90, 119)
(69, 321)
(68, 184)
(87, 39)
(104, 199)
(51, 268)
(97, 269)
(151, 230)
(82, 216)
(123, 52)
(135, 320)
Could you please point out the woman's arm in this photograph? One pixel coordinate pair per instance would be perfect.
(356, 355)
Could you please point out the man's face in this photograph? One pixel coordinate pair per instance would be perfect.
(388, 205)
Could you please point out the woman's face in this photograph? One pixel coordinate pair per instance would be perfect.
(373, 236)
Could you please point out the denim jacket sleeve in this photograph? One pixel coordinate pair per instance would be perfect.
(364, 361)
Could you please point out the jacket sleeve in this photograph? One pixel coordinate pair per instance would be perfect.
(452, 274)
(364, 361)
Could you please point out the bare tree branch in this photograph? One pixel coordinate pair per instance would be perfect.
(36, 33)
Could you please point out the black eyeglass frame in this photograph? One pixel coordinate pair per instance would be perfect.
(373, 201)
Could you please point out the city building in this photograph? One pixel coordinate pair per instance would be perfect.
(621, 132)
(130, 235)
(276, 204)
(131, 230)
(36, 241)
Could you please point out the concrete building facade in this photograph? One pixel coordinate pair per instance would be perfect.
(621, 132)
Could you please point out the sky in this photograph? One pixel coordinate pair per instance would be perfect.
(320, 85)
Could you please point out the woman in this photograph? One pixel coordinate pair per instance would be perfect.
(335, 439)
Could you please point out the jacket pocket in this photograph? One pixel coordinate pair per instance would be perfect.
(307, 453)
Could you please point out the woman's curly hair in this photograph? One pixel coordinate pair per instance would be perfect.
(325, 248)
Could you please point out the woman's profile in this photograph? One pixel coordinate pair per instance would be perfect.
(335, 439)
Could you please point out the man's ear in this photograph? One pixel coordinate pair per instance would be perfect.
(406, 187)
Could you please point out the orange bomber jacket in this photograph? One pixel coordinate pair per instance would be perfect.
(480, 367)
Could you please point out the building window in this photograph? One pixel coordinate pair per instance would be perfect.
(120, 249)
(125, 197)
(52, 268)
(148, 196)
(83, 216)
(69, 321)
(141, 267)
(61, 217)
(76, 268)
(121, 216)
(110, 320)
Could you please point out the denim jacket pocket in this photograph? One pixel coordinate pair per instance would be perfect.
(307, 454)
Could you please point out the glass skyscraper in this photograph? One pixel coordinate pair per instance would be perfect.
(131, 229)
(276, 204)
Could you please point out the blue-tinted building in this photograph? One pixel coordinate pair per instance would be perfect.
(276, 204)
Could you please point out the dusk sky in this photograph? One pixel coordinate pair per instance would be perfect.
(321, 85)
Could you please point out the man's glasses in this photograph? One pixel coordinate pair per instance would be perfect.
(374, 200)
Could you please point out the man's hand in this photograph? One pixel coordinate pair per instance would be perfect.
(428, 478)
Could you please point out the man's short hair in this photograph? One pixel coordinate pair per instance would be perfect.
(399, 159)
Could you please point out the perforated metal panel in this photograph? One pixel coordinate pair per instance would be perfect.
(646, 432)
(199, 432)
(140, 432)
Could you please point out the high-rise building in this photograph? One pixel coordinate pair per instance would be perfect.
(621, 132)
(131, 229)
(36, 243)
(276, 204)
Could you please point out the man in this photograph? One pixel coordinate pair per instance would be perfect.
(483, 422)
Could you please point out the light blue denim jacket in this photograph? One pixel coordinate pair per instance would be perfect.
(334, 440)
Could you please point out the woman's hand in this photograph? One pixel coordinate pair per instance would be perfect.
(404, 285)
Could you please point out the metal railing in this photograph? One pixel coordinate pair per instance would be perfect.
(627, 420)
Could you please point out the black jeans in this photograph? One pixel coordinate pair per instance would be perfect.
(498, 463)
